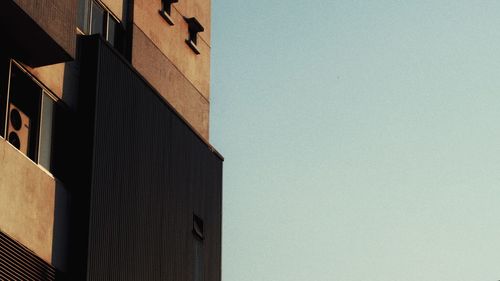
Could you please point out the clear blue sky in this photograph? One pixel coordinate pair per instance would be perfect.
(362, 139)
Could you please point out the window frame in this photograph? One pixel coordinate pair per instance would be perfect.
(88, 16)
(44, 91)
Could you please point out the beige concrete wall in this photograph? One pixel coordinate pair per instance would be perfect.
(170, 39)
(56, 17)
(170, 83)
(61, 79)
(115, 6)
(51, 76)
(26, 201)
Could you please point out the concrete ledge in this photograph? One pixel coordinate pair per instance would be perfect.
(26, 202)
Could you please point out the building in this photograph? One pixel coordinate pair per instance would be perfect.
(106, 170)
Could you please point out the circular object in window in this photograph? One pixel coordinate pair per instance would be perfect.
(14, 140)
(15, 119)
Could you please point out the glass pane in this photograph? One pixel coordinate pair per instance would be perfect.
(46, 132)
(83, 15)
(98, 20)
(114, 33)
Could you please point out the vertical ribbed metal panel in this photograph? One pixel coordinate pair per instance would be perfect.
(19, 263)
(151, 172)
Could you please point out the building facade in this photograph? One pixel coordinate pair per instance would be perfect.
(106, 170)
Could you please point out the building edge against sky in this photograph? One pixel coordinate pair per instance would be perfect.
(106, 167)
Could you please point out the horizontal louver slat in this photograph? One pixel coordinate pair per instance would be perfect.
(19, 263)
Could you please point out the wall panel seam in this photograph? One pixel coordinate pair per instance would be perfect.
(175, 66)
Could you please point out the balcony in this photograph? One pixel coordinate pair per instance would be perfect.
(39, 32)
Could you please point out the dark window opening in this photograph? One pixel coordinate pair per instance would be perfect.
(194, 27)
(115, 33)
(29, 117)
(166, 10)
(198, 248)
(193, 36)
(166, 5)
(197, 227)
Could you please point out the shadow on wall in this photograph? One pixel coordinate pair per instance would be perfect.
(60, 240)
(62, 211)
(63, 160)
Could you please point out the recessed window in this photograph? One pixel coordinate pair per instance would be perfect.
(166, 10)
(197, 227)
(194, 27)
(95, 18)
(29, 117)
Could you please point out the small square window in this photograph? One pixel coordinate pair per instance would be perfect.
(197, 227)
(194, 27)
(198, 249)
(166, 10)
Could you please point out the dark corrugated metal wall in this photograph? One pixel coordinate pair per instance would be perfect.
(151, 172)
